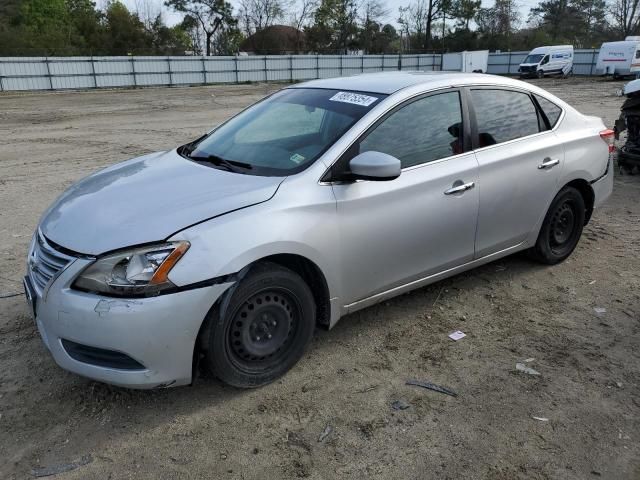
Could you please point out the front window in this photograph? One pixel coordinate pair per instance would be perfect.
(422, 131)
(283, 134)
(533, 58)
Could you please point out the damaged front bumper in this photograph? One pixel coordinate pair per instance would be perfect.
(135, 343)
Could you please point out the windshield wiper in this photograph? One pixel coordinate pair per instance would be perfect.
(231, 165)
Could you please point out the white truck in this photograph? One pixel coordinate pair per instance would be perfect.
(615, 58)
(550, 60)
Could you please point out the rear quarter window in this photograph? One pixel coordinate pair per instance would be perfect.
(550, 109)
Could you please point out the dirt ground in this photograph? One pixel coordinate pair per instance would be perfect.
(512, 310)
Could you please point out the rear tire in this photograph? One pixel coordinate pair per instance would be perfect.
(561, 228)
(263, 329)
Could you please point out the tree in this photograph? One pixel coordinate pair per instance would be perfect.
(256, 15)
(464, 11)
(575, 21)
(214, 17)
(335, 25)
(300, 17)
(125, 33)
(418, 18)
(626, 16)
(374, 12)
(496, 24)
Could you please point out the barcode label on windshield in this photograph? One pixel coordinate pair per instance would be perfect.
(355, 98)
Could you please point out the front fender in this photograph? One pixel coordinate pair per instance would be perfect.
(301, 225)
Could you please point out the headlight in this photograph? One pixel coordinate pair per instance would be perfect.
(139, 272)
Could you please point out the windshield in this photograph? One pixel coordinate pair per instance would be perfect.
(284, 133)
(533, 58)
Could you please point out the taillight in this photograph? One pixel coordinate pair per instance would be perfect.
(609, 137)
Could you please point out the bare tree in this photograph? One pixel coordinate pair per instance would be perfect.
(626, 16)
(302, 15)
(148, 11)
(419, 16)
(256, 15)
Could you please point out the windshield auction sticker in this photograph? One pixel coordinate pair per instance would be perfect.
(355, 98)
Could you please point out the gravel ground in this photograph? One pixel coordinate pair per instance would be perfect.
(511, 310)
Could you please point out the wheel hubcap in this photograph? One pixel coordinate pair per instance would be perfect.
(263, 326)
(563, 225)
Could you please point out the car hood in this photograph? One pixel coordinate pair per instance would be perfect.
(145, 200)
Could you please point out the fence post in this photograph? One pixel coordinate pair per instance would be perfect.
(382, 63)
(317, 65)
(399, 61)
(204, 71)
(290, 68)
(362, 63)
(509, 64)
(46, 62)
(93, 72)
(593, 60)
(133, 71)
(169, 70)
(235, 65)
(1, 83)
(340, 64)
(265, 69)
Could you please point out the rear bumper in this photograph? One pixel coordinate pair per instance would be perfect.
(157, 334)
(603, 187)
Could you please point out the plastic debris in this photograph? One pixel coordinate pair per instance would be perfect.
(529, 360)
(521, 367)
(457, 335)
(542, 419)
(58, 469)
(325, 433)
(600, 310)
(432, 386)
(400, 405)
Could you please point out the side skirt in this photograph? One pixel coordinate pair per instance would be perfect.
(393, 292)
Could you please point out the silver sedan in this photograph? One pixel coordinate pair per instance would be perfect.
(322, 199)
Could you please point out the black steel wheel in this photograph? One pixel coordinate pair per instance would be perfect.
(263, 329)
(562, 227)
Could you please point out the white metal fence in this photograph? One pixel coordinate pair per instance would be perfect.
(506, 63)
(55, 73)
(58, 73)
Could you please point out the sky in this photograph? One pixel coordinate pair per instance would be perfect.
(171, 18)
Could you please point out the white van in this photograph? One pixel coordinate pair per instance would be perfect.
(542, 61)
(615, 58)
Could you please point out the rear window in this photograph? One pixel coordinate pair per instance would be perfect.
(550, 109)
(503, 115)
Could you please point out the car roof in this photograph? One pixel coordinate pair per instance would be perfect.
(391, 82)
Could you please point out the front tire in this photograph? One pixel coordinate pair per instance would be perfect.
(264, 328)
(561, 229)
(540, 74)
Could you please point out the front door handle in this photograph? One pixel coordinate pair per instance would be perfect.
(460, 188)
(548, 163)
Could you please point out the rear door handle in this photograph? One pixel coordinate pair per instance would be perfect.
(548, 163)
(460, 188)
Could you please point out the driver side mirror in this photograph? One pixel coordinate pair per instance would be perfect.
(373, 165)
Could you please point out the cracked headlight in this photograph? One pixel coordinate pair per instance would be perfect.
(137, 272)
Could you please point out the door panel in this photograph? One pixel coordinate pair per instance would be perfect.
(515, 192)
(519, 167)
(393, 232)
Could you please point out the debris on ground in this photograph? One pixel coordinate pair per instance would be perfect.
(10, 294)
(432, 386)
(62, 468)
(325, 433)
(542, 419)
(600, 310)
(400, 405)
(457, 335)
(521, 367)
